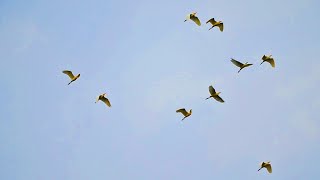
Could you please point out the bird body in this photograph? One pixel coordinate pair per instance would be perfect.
(266, 165)
(239, 64)
(214, 94)
(269, 59)
(194, 18)
(184, 112)
(103, 99)
(71, 76)
(215, 23)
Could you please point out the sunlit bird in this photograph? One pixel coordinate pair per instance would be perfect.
(103, 99)
(184, 112)
(194, 18)
(266, 165)
(269, 59)
(215, 23)
(71, 76)
(239, 64)
(214, 94)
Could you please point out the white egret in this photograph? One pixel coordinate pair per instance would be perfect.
(194, 18)
(71, 76)
(239, 64)
(269, 59)
(184, 112)
(214, 94)
(103, 99)
(215, 23)
(266, 165)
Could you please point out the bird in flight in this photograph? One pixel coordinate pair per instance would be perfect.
(184, 112)
(215, 23)
(214, 94)
(239, 64)
(266, 165)
(269, 59)
(194, 18)
(103, 99)
(71, 76)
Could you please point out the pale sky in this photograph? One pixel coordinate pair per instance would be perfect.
(151, 63)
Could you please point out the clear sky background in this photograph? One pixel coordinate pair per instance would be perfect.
(151, 63)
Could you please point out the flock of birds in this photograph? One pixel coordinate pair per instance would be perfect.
(212, 91)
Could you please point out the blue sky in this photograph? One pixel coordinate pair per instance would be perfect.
(151, 63)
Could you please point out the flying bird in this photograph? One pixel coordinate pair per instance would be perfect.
(103, 99)
(266, 165)
(71, 76)
(184, 112)
(215, 23)
(269, 59)
(214, 94)
(194, 18)
(239, 64)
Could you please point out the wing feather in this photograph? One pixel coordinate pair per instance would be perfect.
(212, 90)
(220, 26)
(218, 98)
(106, 101)
(237, 63)
(69, 73)
(183, 111)
(212, 21)
(269, 168)
(196, 20)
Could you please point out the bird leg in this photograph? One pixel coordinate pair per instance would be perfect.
(183, 118)
(239, 70)
(262, 62)
(259, 169)
(211, 28)
(208, 97)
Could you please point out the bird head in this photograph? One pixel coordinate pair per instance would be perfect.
(218, 93)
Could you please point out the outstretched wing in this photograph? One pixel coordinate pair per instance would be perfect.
(212, 90)
(69, 73)
(271, 61)
(237, 63)
(220, 26)
(212, 21)
(218, 98)
(183, 111)
(196, 20)
(269, 168)
(106, 101)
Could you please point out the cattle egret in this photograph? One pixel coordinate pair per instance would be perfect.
(266, 165)
(184, 112)
(194, 18)
(239, 64)
(215, 23)
(215, 95)
(71, 76)
(269, 59)
(104, 99)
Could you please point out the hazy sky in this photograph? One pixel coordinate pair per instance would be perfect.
(151, 63)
